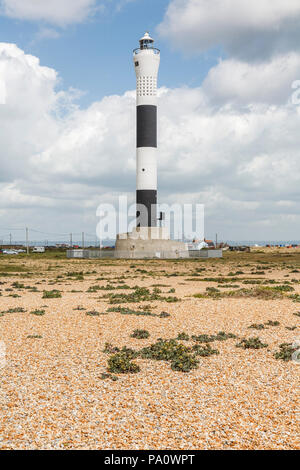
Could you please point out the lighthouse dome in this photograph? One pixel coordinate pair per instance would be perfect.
(146, 36)
(146, 41)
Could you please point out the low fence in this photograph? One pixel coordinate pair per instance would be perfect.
(104, 254)
(90, 254)
(206, 253)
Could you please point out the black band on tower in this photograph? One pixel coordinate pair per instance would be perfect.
(147, 199)
(146, 123)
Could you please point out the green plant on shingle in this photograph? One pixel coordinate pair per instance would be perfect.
(286, 352)
(15, 310)
(183, 336)
(38, 313)
(257, 326)
(140, 294)
(129, 311)
(105, 376)
(93, 313)
(51, 294)
(204, 338)
(93, 289)
(184, 363)
(222, 336)
(121, 363)
(164, 350)
(251, 343)
(170, 350)
(295, 297)
(110, 349)
(18, 285)
(272, 323)
(212, 290)
(164, 315)
(284, 288)
(140, 334)
(143, 312)
(204, 351)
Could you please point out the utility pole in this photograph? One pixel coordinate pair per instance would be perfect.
(27, 241)
(10, 238)
(71, 241)
(216, 240)
(82, 239)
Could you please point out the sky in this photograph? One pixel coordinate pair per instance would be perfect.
(229, 112)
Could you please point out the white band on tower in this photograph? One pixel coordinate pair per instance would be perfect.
(146, 61)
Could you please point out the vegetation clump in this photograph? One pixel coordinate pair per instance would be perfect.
(140, 334)
(121, 363)
(179, 355)
(183, 336)
(221, 336)
(140, 294)
(251, 343)
(260, 292)
(18, 285)
(144, 312)
(94, 313)
(205, 350)
(286, 352)
(204, 338)
(105, 376)
(38, 312)
(257, 326)
(284, 288)
(272, 323)
(51, 294)
(184, 363)
(93, 289)
(110, 349)
(129, 311)
(164, 350)
(164, 315)
(15, 310)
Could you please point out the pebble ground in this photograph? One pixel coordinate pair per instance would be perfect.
(52, 395)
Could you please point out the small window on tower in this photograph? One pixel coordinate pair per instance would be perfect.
(136, 64)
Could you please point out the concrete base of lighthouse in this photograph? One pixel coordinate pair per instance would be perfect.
(149, 242)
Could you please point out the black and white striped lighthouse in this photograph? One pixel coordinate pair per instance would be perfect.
(146, 62)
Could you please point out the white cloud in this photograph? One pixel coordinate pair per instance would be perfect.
(238, 154)
(233, 81)
(27, 123)
(250, 30)
(58, 12)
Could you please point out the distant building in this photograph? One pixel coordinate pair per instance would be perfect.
(210, 243)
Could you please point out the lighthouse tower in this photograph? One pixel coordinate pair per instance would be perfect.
(147, 240)
(146, 60)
